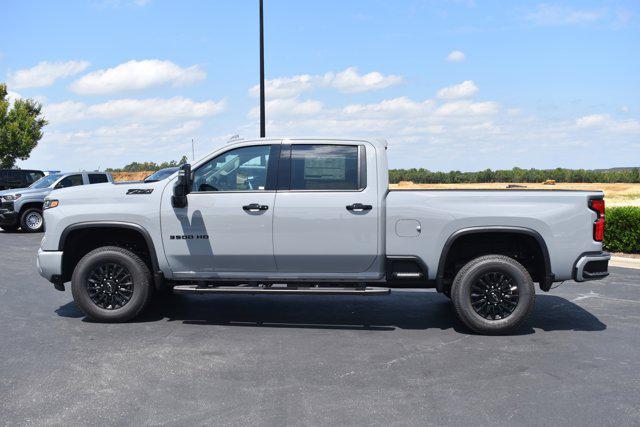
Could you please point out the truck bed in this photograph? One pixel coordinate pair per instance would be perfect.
(561, 217)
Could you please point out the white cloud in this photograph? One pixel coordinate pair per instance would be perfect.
(286, 87)
(136, 75)
(456, 56)
(591, 120)
(288, 107)
(347, 81)
(13, 96)
(350, 81)
(151, 109)
(468, 108)
(604, 122)
(463, 90)
(402, 106)
(45, 73)
(553, 15)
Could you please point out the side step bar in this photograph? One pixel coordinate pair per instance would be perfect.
(195, 289)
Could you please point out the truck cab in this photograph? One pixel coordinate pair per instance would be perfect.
(316, 216)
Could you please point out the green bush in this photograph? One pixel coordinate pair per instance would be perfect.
(622, 229)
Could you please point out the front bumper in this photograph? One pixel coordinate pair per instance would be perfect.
(7, 215)
(49, 265)
(591, 266)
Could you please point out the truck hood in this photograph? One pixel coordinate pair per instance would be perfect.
(106, 192)
(26, 191)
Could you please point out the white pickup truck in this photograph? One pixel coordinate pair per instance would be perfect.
(316, 216)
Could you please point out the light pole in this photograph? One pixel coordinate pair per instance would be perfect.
(262, 108)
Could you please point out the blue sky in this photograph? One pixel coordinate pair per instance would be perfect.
(461, 85)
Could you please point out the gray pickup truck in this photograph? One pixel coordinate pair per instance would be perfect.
(316, 216)
(22, 207)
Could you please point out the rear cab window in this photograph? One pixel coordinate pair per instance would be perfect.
(98, 178)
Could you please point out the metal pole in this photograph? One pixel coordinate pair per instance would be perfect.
(262, 109)
(193, 151)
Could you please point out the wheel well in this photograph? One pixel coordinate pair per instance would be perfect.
(30, 205)
(524, 248)
(77, 243)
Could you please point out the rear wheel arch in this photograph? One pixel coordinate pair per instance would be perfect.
(539, 266)
(79, 239)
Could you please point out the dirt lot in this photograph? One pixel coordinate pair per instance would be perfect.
(616, 194)
(130, 176)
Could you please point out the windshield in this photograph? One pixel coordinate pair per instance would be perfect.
(160, 175)
(47, 181)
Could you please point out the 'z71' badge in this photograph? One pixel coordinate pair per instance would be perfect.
(140, 191)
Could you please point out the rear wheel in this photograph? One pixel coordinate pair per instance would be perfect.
(111, 284)
(32, 221)
(493, 294)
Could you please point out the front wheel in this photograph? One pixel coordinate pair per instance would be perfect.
(493, 294)
(32, 221)
(111, 284)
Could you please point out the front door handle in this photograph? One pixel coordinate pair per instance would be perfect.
(253, 207)
(359, 207)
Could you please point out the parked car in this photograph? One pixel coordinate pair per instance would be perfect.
(22, 207)
(18, 178)
(316, 216)
(161, 174)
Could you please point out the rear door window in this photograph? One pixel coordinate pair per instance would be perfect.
(97, 178)
(324, 167)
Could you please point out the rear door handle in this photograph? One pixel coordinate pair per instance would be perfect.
(359, 207)
(255, 207)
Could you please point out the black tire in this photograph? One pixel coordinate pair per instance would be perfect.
(95, 296)
(484, 292)
(32, 221)
(10, 228)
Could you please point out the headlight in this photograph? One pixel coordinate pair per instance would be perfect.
(12, 197)
(50, 203)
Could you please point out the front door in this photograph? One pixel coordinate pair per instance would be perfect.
(326, 218)
(226, 228)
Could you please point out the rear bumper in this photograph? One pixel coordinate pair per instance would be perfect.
(49, 265)
(591, 266)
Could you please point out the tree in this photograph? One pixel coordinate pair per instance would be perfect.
(20, 128)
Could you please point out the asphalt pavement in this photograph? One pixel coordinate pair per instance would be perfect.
(401, 359)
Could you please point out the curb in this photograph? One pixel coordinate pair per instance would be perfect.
(618, 261)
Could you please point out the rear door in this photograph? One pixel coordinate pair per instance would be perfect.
(326, 213)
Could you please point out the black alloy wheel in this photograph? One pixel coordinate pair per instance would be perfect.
(110, 285)
(494, 295)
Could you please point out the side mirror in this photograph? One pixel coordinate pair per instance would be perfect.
(182, 187)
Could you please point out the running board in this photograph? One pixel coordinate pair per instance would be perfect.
(194, 289)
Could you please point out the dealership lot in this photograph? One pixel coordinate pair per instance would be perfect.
(398, 359)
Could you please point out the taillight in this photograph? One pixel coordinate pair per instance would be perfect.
(597, 205)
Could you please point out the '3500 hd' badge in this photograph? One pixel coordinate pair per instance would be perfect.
(190, 237)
